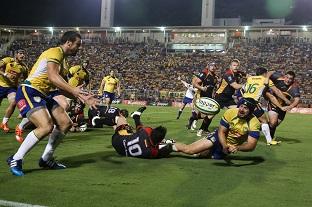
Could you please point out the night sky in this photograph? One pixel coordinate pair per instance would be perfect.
(147, 12)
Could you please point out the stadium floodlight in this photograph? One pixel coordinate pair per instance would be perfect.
(305, 28)
(117, 29)
(35, 31)
(88, 31)
(62, 31)
(246, 28)
(77, 29)
(162, 28)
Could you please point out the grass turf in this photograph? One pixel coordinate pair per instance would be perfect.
(97, 176)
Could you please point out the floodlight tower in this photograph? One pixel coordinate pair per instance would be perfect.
(107, 13)
(208, 13)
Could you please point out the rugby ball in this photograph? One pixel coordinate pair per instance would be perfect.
(207, 106)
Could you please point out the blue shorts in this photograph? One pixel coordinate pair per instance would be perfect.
(187, 100)
(5, 91)
(109, 95)
(217, 150)
(29, 100)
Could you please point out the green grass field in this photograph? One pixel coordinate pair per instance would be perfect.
(97, 176)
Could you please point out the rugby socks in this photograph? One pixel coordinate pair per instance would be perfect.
(30, 141)
(272, 131)
(5, 120)
(205, 124)
(23, 123)
(55, 139)
(266, 131)
(137, 121)
(180, 112)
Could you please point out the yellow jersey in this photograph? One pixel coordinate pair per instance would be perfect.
(14, 68)
(79, 76)
(110, 83)
(255, 85)
(240, 129)
(38, 76)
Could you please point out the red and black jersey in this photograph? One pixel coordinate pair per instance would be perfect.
(138, 144)
(290, 91)
(225, 89)
(209, 81)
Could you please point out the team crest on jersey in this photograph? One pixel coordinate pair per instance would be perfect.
(21, 104)
(37, 99)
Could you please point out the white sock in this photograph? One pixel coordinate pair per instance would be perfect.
(174, 148)
(23, 123)
(30, 141)
(5, 120)
(266, 131)
(54, 140)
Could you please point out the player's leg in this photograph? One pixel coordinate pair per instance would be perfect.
(41, 118)
(273, 122)
(9, 111)
(181, 109)
(62, 125)
(62, 101)
(20, 128)
(136, 115)
(194, 148)
(205, 125)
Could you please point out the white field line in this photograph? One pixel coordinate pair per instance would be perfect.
(16, 204)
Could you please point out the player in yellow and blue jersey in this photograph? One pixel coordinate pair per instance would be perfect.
(11, 71)
(239, 130)
(109, 84)
(35, 100)
(254, 88)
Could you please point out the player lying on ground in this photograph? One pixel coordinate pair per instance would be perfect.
(144, 143)
(239, 130)
(104, 115)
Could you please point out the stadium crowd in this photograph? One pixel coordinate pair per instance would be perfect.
(146, 67)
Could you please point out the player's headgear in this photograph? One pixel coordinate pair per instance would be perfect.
(158, 134)
(250, 103)
(261, 71)
(124, 112)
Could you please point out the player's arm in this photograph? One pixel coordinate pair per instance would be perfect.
(236, 85)
(222, 134)
(196, 82)
(248, 146)
(295, 103)
(273, 100)
(118, 88)
(280, 94)
(102, 87)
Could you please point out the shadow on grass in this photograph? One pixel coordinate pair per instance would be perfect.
(288, 140)
(248, 160)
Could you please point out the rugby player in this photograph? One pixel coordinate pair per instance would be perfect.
(35, 100)
(109, 84)
(205, 82)
(144, 143)
(287, 84)
(11, 70)
(239, 130)
(254, 88)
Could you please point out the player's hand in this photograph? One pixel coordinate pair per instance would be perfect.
(78, 91)
(288, 102)
(9, 76)
(90, 100)
(233, 149)
(225, 149)
(204, 88)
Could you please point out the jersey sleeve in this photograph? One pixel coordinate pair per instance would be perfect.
(226, 119)
(294, 91)
(202, 75)
(271, 84)
(6, 60)
(55, 55)
(229, 78)
(254, 128)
